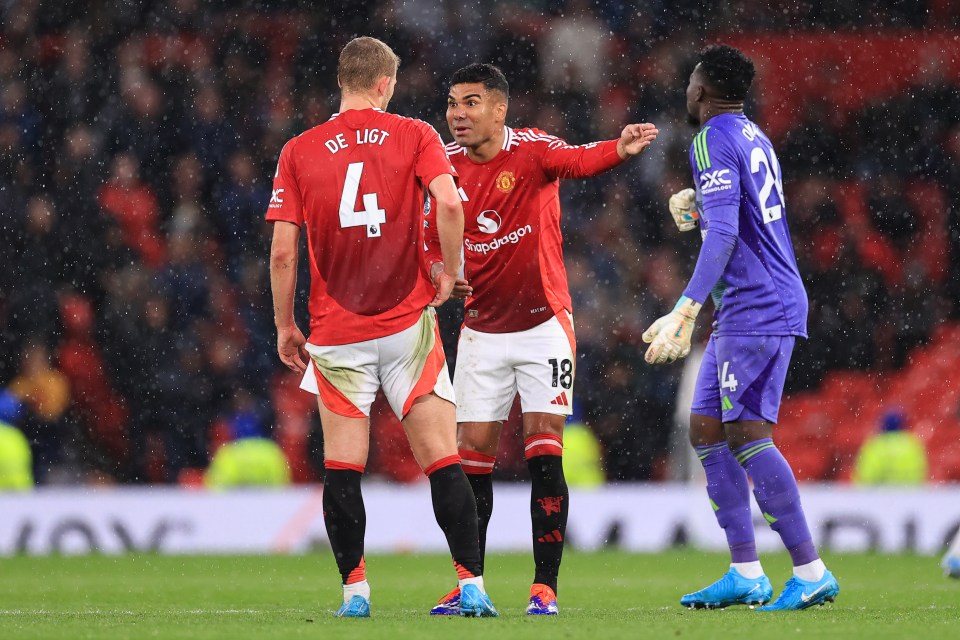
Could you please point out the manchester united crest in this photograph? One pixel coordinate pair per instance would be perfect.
(506, 181)
(551, 505)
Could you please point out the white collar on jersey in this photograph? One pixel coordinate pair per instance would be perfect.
(507, 138)
(510, 140)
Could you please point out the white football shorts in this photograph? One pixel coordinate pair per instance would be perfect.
(537, 363)
(407, 365)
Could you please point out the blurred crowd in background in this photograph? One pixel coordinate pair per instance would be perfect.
(139, 141)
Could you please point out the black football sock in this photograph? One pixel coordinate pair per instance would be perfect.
(345, 518)
(549, 500)
(456, 511)
(482, 484)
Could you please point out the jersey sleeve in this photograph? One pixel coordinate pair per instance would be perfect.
(563, 160)
(432, 161)
(716, 171)
(286, 202)
(714, 255)
(431, 156)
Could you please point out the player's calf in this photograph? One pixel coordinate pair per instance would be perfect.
(345, 519)
(456, 513)
(549, 498)
(479, 470)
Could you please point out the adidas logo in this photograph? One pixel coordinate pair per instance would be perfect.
(552, 537)
(561, 400)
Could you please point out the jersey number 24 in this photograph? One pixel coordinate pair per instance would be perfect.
(771, 179)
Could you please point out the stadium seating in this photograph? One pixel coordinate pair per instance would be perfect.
(820, 432)
(105, 412)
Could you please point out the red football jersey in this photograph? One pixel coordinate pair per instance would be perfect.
(356, 185)
(512, 248)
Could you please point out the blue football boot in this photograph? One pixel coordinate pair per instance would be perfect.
(951, 566)
(356, 607)
(800, 594)
(731, 589)
(475, 604)
(448, 605)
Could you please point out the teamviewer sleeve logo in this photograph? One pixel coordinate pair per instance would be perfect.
(489, 221)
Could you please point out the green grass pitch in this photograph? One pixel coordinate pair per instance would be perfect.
(603, 595)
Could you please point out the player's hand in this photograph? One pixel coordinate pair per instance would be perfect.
(290, 347)
(444, 283)
(461, 288)
(635, 138)
(669, 337)
(683, 208)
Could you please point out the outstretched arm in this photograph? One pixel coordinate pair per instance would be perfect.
(562, 160)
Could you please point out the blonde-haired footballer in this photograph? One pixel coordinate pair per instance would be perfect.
(355, 184)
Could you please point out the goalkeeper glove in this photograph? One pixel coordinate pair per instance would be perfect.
(682, 209)
(669, 337)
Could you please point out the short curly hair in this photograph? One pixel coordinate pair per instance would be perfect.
(727, 70)
(489, 75)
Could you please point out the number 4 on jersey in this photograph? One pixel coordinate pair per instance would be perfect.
(728, 381)
(371, 216)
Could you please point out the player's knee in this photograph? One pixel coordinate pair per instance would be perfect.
(356, 456)
(479, 437)
(477, 447)
(705, 430)
(742, 433)
(536, 423)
